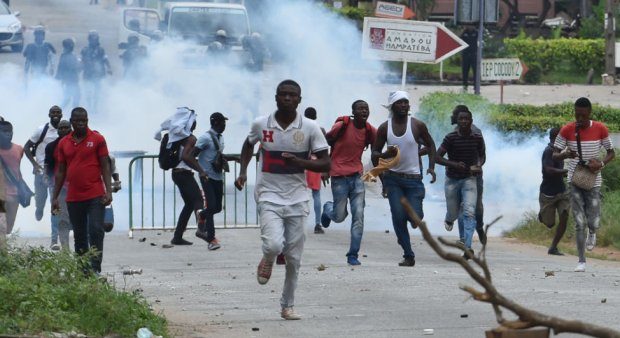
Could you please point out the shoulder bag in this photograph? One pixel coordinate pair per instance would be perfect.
(583, 177)
(24, 193)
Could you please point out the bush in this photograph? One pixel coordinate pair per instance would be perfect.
(534, 73)
(583, 53)
(591, 28)
(43, 291)
(353, 13)
(611, 175)
(436, 108)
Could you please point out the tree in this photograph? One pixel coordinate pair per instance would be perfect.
(424, 8)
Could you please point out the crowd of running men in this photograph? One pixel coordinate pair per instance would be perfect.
(73, 163)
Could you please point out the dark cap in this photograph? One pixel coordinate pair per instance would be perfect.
(217, 117)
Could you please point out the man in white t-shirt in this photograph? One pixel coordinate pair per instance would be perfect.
(34, 149)
(287, 139)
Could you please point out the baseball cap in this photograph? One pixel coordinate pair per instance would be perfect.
(217, 117)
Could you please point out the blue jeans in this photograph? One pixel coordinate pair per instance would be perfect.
(40, 193)
(461, 197)
(316, 197)
(55, 219)
(413, 190)
(351, 188)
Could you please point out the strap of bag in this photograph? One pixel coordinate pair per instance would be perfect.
(42, 136)
(8, 172)
(578, 137)
(216, 143)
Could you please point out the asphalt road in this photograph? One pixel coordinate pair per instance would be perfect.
(215, 293)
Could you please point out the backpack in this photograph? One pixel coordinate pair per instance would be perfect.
(169, 157)
(345, 122)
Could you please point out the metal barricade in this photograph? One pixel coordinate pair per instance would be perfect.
(158, 199)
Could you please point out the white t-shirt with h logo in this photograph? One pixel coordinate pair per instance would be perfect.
(276, 182)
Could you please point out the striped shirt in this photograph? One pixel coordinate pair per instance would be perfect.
(467, 149)
(593, 139)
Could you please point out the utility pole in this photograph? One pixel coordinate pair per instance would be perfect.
(610, 43)
(480, 42)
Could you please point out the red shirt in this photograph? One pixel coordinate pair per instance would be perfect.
(347, 151)
(84, 176)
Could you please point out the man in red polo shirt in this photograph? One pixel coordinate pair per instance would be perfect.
(83, 161)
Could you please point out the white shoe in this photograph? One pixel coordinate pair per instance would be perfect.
(289, 314)
(591, 241)
(581, 267)
(448, 226)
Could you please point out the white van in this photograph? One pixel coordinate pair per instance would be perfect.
(194, 22)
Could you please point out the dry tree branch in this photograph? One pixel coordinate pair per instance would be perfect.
(527, 318)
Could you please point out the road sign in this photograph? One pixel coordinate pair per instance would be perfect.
(409, 41)
(391, 10)
(502, 69)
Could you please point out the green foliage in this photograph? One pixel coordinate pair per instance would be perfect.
(354, 13)
(591, 28)
(583, 53)
(531, 230)
(611, 176)
(436, 108)
(534, 73)
(43, 291)
(537, 119)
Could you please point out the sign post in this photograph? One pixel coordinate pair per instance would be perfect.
(502, 70)
(408, 41)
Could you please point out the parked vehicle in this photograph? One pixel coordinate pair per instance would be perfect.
(11, 29)
(209, 27)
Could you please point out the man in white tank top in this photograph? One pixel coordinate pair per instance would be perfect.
(407, 134)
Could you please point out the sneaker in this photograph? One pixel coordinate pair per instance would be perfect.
(482, 236)
(55, 247)
(263, 271)
(214, 244)
(289, 314)
(581, 267)
(408, 261)
(353, 261)
(591, 241)
(555, 252)
(38, 214)
(325, 220)
(180, 241)
(471, 254)
(280, 260)
(318, 229)
(202, 235)
(448, 225)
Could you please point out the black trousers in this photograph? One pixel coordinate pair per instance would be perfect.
(468, 61)
(192, 198)
(87, 220)
(214, 191)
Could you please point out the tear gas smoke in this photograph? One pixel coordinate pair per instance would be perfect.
(314, 47)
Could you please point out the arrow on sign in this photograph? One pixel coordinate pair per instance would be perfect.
(409, 41)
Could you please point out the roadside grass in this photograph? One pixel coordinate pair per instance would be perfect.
(44, 292)
(532, 231)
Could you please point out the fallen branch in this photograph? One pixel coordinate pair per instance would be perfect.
(527, 318)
